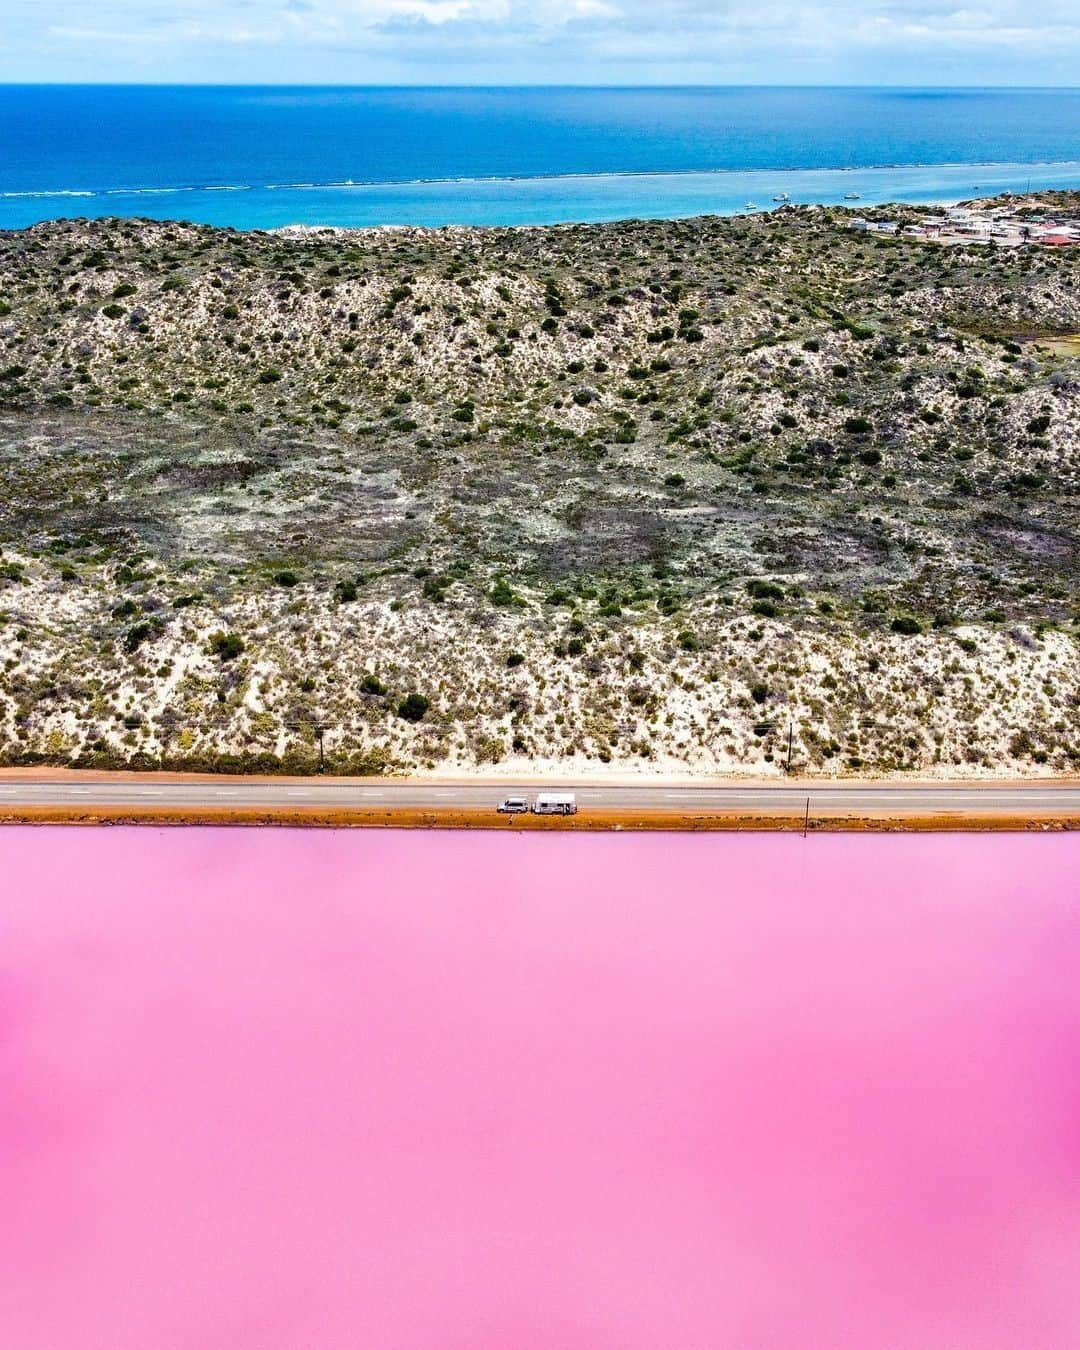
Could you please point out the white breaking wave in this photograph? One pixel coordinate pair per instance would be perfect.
(1033, 166)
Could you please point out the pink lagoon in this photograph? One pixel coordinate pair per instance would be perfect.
(367, 1090)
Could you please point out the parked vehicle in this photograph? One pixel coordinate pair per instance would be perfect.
(555, 804)
(513, 806)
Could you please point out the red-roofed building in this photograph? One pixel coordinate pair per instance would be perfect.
(1058, 240)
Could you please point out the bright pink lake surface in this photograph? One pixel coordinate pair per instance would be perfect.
(285, 1090)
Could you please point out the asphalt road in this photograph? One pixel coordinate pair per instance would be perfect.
(857, 799)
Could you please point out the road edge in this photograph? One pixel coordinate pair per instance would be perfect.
(456, 818)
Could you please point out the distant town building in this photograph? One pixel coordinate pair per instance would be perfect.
(999, 226)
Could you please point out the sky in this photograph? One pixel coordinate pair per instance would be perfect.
(906, 42)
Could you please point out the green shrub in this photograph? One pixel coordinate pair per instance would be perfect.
(286, 578)
(503, 595)
(906, 625)
(857, 426)
(413, 707)
(764, 590)
(371, 684)
(668, 603)
(225, 646)
(137, 635)
(345, 592)
(435, 588)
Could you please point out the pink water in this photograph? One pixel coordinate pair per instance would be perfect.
(285, 1090)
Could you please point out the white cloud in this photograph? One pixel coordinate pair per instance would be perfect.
(554, 40)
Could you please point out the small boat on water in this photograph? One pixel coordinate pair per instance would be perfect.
(751, 206)
(851, 196)
(781, 197)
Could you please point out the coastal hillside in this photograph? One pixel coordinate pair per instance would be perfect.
(687, 496)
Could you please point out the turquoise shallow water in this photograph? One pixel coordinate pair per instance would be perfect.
(259, 158)
(546, 201)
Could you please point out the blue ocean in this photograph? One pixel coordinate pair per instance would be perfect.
(265, 157)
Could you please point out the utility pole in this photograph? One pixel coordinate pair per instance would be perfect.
(790, 733)
(806, 819)
(302, 721)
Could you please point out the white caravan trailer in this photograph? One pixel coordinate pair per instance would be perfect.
(555, 804)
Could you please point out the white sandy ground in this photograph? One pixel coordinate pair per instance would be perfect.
(911, 706)
(930, 708)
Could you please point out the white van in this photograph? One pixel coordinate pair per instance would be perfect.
(555, 804)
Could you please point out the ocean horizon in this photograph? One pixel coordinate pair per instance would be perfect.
(253, 157)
